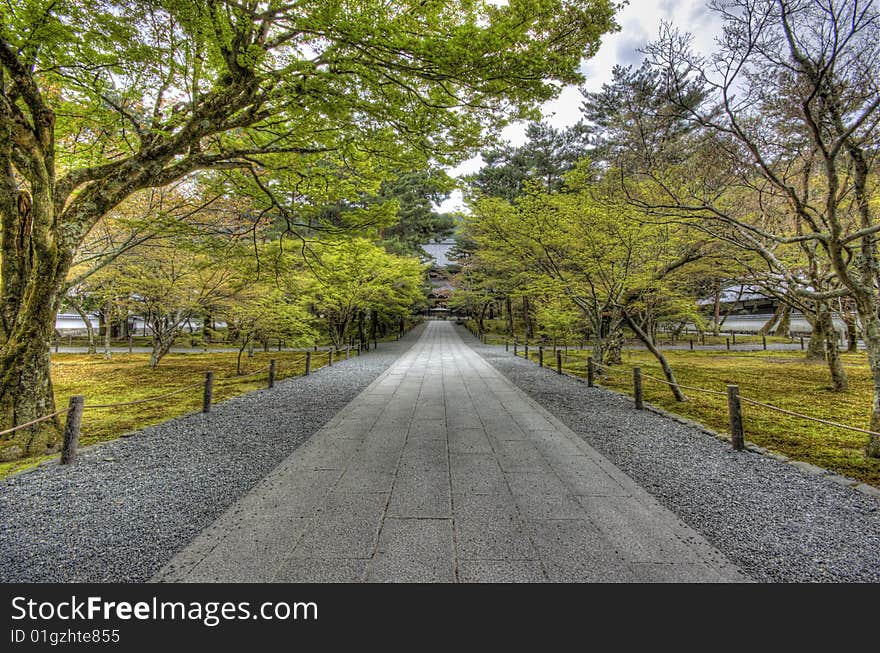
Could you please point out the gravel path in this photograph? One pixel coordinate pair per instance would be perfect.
(127, 506)
(777, 523)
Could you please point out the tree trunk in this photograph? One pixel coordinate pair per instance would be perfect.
(161, 345)
(783, 328)
(771, 323)
(852, 332)
(90, 330)
(716, 311)
(667, 370)
(839, 381)
(32, 278)
(108, 312)
(816, 347)
(527, 318)
(614, 345)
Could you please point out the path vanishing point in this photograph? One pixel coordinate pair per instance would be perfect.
(443, 471)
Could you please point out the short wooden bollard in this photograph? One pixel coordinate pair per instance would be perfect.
(272, 373)
(540, 357)
(559, 361)
(764, 342)
(802, 342)
(734, 338)
(209, 392)
(526, 351)
(308, 363)
(71, 429)
(347, 353)
(515, 346)
(56, 345)
(637, 387)
(506, 346)
(329, 358)
(728, 343)
(734, 410)
(692, 344)
(591, 372)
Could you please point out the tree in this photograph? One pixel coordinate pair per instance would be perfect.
(262, 312)
(593, 249)
(783, 160)
(545, 158)
(171, 287)
(417, 221)
(102, 98)
(355, 279)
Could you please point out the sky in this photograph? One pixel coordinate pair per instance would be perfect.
(640, 23)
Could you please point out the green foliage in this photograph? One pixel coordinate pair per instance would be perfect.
(349, 279)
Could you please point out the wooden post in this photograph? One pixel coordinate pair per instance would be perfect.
(280, 343)
(330, 357)
(734, 410)
(308, 363)
(692, 344)
(347, 353)
(728, 344)
(56, 345)
(802, 342)
(272, 373)
(637, 387)
(734, 338)
(209, 392)
(526, 350)
(559, 361)
(129, 344)
(540, 356)
(764, 341)
(591, 373)
(71, 429)
(702, 338)
(506, 345)
(515, 346)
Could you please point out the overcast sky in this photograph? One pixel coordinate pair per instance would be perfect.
(640, 23)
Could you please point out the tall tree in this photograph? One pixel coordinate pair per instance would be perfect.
(783, 161)
(102, 98)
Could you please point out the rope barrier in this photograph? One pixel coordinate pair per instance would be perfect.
(754, 402)
(143, 401)
(234, 379)
(807, 417)
(34, 421)
(684, 387)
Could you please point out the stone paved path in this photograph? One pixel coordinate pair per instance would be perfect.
(442, 470)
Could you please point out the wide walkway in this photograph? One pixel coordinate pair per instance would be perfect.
(442, 470)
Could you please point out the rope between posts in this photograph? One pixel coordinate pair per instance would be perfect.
(807, 417)
(685, 387)
(754, 402)
(34, 421)
(234, 379)
(148, 399)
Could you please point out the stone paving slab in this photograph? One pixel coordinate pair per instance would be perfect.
(443, 471)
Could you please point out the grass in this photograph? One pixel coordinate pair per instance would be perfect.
(128, 377)
(783, 379)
